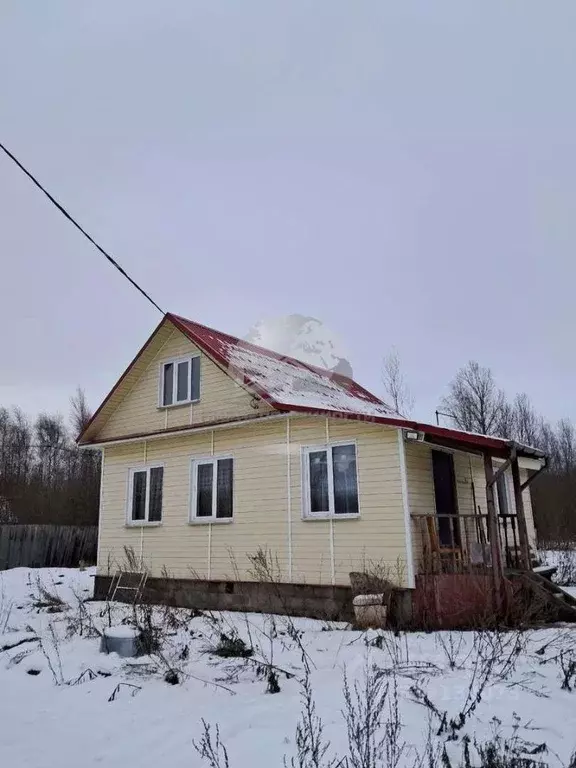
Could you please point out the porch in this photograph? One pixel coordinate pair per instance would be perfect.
(471, 524)
(470, 509)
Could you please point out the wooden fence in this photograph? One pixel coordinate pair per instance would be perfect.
(40, 546)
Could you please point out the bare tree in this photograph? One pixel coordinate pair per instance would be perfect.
(474, 402)
(44, 477)
(507, 421)
(395, 385)
(51, 442)
(566, 442)
(547, 441)
(80, 412)
(527, 422)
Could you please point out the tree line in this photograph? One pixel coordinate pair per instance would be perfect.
(44, 477)
(476, 403)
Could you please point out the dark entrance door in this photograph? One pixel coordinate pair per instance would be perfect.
(446, 503)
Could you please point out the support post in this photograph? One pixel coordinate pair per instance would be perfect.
(497, 569)
(521, 515)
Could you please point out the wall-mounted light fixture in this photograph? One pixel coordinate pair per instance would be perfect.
(412, 435)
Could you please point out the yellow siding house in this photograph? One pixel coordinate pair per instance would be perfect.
(214, 449)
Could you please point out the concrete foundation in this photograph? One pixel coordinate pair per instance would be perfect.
(315, 601)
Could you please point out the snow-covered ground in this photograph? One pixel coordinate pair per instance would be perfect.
(64, 704)
(564, 560)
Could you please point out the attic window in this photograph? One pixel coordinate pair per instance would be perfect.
(180, 381)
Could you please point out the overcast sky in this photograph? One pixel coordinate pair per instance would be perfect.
(404, 171)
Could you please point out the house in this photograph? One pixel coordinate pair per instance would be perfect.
(215, 450)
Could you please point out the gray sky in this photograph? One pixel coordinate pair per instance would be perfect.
(404, 171)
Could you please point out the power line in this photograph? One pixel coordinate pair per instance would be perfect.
(86, 235)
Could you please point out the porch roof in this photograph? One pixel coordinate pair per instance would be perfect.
(475, 442)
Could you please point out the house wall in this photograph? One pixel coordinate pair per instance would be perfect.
(220, 397)
(470, 487)
(267, 471)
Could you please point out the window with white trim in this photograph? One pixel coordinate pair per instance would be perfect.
(145, 494)
(212, 489)
(180, 381)
(330, 480)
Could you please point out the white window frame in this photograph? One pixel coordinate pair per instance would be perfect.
(330, 514)
(130, 496)
(175, 361)
(194, 463)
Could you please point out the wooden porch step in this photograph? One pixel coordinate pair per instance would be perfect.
(547, 571)
(548, 599)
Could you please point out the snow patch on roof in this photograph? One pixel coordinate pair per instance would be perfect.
(292, 383)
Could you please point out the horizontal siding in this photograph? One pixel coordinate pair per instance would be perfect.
(221, 551)
(377, 539)
(420, 492)
(137, 410)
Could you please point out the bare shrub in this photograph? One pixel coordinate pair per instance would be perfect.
(265, 569)
(568, 666)
(255, 655)
(210, 748)
(498, 651)
(6, 607)
(151, 628)
(493, 659)
(273, 684)
(50, 647)
(454, 647)
(499, 751)
(264, 566)
(47, 598)
(311, 746)
(132, 690)
(363, 715)
(79, 620)
(131, 563)
(231, 646)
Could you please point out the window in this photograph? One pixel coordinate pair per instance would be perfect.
(180, 381)
(331, 481)
(145, 495)
(212, 489)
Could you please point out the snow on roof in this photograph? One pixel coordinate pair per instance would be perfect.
(285, 381)
(289, 383)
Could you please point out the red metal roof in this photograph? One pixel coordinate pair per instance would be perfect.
(284, 382)
(290, 385)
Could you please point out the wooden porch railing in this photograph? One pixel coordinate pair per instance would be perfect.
(453, 543)
(461, 543)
